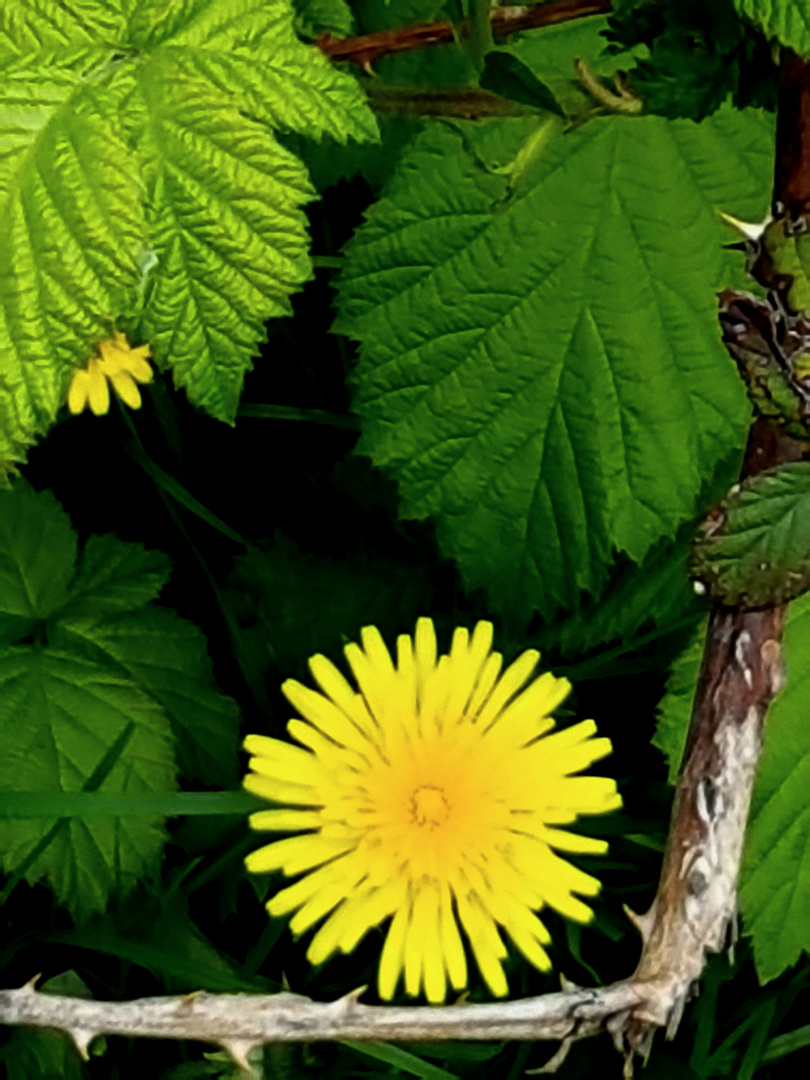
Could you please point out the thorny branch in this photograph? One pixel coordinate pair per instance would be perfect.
(696, 900)
(367, 48)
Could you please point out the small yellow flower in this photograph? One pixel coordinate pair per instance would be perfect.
(118, 364)
(433, 796)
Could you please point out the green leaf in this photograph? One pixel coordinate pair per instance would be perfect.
(115, 576)
(401, 1059)
(695, 55)
(30, 1052)
(550, 53)
(71, 227)
(227, 228)
(541, 365)
(506, 75)
(59, 713)
(166, 657)
(657, 592)
(37, 553)
(675, 708)
(102, 609)
(249, 48)
(786, 20)
(53, 30)
(775, 878)
(754, 549)
(107, 107)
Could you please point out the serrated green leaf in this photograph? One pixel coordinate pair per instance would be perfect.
(59, 713)
(786, 20)
(775, 877)
(226, 224)
(755, 551)
(543, 374)
(166, 657)
(249, 48)
(37, 554)
(114, 576)
(71, 226)
(52, 29)
(72, 136)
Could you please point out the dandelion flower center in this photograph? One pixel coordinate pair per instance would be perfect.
(429, 807)
(432, 795)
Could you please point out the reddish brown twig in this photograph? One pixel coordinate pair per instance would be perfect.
(367, 48)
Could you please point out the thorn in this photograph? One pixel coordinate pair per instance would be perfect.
(751, 230)
(32, 983)
(352, 999)
(239, 1051)
(188, 1001)
(566, 984)
(642, 923)
(82, 1039)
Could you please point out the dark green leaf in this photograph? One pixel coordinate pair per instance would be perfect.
(59, 716)
(509, 77)
(755, 547)
(167, 657)
(37, 553)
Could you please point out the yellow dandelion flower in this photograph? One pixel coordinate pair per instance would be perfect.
(118, 364)
(434, 796)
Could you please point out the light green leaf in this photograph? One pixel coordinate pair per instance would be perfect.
(754, 550)
(249, 48)
(541, 367)
(226, 223)
(37, 553)
(43, 30)
(786, 20)
(59, 714)
(114, 575)
(166, 657)
(775, 878)
(105, 106)
(71, 226)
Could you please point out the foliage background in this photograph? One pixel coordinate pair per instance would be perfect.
(549, 413)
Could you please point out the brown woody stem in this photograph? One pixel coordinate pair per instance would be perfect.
(367, 48)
